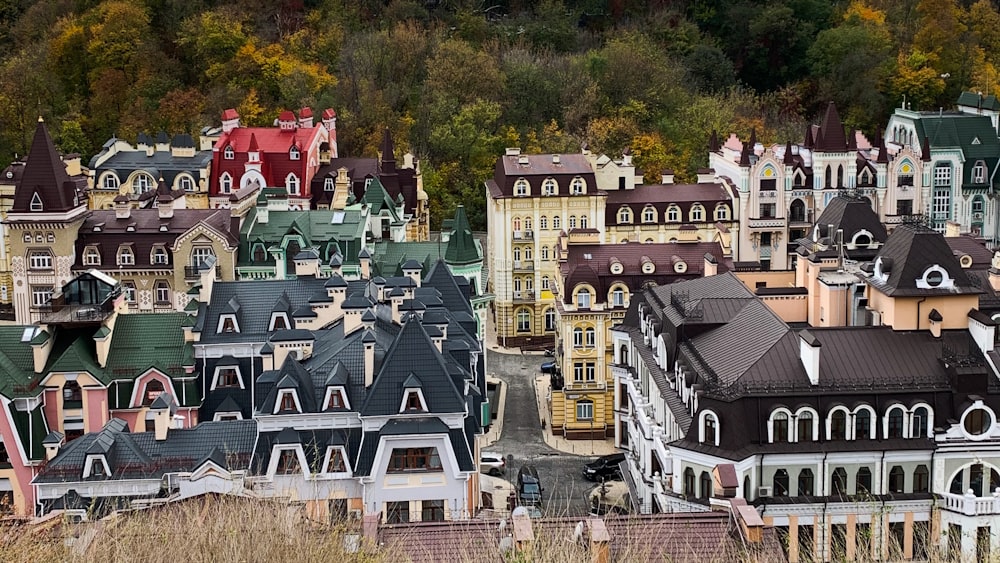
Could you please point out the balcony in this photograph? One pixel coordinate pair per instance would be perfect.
(76, 314)
(523, 235)
(524, 296)
(767, 195)
(524, 265)
(193, 273)
(971, 505)
(571, 385)
(766, 222)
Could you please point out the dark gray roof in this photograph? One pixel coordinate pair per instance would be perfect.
(314, 444)
(852, 215)
(256, 298)
(910, 251)
(406, 426)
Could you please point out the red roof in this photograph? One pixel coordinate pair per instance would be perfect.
(230, 114)
(273, 145)
(305, 112)
(328, 113)
(286, 115)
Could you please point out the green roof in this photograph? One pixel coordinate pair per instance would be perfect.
(974, 100)
(148, 340)
(31, 429)
(462, 247)
(322, 229)
(974, 135)
(17, 366)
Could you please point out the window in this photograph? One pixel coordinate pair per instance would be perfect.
(521, 187)
(894, 423)
(91, 257)
(709, 428)
(523, 320)
(578, 186)
(977, 204)
(550, 317)
(72, 395)
(279, 321)
(705, 485)
(125, 256)
(287, 402)
(572, 222)
(36, 202)
(578, 337)
(583, 299)
(548, 187)
(142, 183)
(200, 255)
(229, 153)
(625, 215)
(288, 462)
(689, 482)
(328, 185)
(920, 422)
(128, 288)
(805, 426)
(109, 181)
(722, 212)
(413, 402)
(838, 425)
(904, 207)
(293, 153)
(227, 377)
(162, 293)
(591, 337)
(397, 512)
(862, 424)
(585, 410)
(225, 183)
(228, 324)
(292, 184)
(896, 479)
(942, 174)
(618, 297)
(979, 173)
(838, 481)
(432, 511)
(864, 480)
(545, 253)
(259, 254)
(160, 256)
(153, 390)
(584, 221)
(414, 459)
(780, 483)
(767, 210)
(543, 222)
(556, 222)
(39, 260)
(806, 484)
(186, 183)
(97, 467)
(335, 462)
(41, 295)
(545, 283)
(779, 427)
(697, 213)
(335, 400)
(977, 421)
(921, 479)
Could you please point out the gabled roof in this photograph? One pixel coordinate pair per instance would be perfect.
(831, 137)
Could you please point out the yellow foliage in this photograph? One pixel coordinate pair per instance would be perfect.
(250, 109)
(860, 10)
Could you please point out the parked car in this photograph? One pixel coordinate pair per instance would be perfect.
(549, 367)
(492, 464)
(529, 487)
(604, 468)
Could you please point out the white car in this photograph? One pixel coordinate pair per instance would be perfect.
(492, 463)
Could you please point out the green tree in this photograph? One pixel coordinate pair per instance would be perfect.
(71, 138)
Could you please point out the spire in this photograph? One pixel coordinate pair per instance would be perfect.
(713, 142)
(925, 150)
(253, 144)
(387, 160)
(809, 142)
(789, 161)
(883, 155)
(461, 245)
(44, 180)
(832, 130)
(852, 140)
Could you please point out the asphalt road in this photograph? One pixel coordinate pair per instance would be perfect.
(565, 489)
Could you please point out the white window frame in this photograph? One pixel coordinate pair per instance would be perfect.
(126, 256)
(406, 398)
(292, 184)
(222, 322)
(279, 399)
(582, 406)
(673, 214)
(852, 426)
(275, 316)
(348, 470)
(199, 255)
(225, 183)
(186, 183)
(549, 187)
(41, 295)
(88, 466)
(142, 183)
(790, 431)
(578, 186)
(848, 423)
(697, 213)
(36, 202)
(625, 216)
(556, 222)
(521, 187)
(294, 153)
(110, 181)
(39, 260)
(229, 153)
(930, 420)
(272, 466)
(218, 372)
(336, 389)
(590, 337)
(979, 172)
(328, 184)
(130, 292)
(583, 299)
(161, 292)
(815, 425)
(722, 212)
(159, 256)
(905, 430)
(91, 256)
(703, 420)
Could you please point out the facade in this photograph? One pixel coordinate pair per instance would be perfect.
(135, 171)
(83, 364)
(782, 189)
(595, 285)
(961, 152)
(853, 440)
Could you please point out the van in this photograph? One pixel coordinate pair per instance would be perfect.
(529, 487)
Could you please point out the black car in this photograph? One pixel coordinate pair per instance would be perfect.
(529, 486)
(604, 468)
(549, 367)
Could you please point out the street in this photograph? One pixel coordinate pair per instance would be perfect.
(565, 489)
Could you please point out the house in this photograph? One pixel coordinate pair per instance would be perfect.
(851, 440)
(287, 156)
(135, 171)
(783, 188)
(595, 284)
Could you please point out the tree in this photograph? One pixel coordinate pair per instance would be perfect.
(916, 80)
(71, 138)
(116, 39)
(214, 37)
(181, 111)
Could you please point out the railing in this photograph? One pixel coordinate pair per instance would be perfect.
(571, 385)
(766, 222)
(971, 505)
(767, 195)
(524, 296)
(194, 272)
(55, 314)
(523, 235)
(524, 265)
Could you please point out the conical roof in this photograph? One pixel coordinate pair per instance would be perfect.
(44, 176)
(462, 245)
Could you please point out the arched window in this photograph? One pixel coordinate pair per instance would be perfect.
(649, 214)
(722, 212)
(862, 424)
(673, 214)
(838, 425)
(591, 337)
(779, 426)
(72, 395)
(705, 485)
(527, 253)
(979, 173)
(578, 337)
(625, 215)
(921, 479)
(516, 224)
(709, 428)
(259, 254)
(142, 183)
(545, 253)
(897, 479)
(864, 480)
(805, 426)
(747, 493)
(583, 299)
(523, 320)
(521, 187)
(780, 483)
(293, 153)
(578, 186)
(584, 221)
(920, 422)
(807, 482)
(797, 211)
(828, 177)
(225, 183)
(556, 222)
(697, 213)
(229, 153)
(110, 181)
(527, 223)
(572, 222)
(895, 426)
(153, 390)
(292, 184)
(840, 175)
(838, 481)
(517, 253)
(543, 222)
(689, 482)
(549, 187)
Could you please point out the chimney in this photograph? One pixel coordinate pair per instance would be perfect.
(163, 413)
(41, 345)
(412, 270)
(369, 342)
(600, 541)
(512, 151)
(706, 175)
(555, 159)
(750, 522)
(267, 356)
(207, 279)
(809, 354)
(165, 205)
(627, 157)
(369, 528)
(52, 443)
(330, 121)
(396, 297)
(667, 177)
(123, 208)
(102, 343)
(230, 120)
(306, 117)
(952, 229)
(277, 203)
(711, 265)
(935, 321)
(365, 258)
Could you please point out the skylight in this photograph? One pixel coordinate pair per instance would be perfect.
(338, 218)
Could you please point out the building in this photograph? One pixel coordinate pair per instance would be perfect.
(84, 364)
(595, 285)
(287, 156)
(782, 189)
(961, 152)
(852, 440)
(135, 171)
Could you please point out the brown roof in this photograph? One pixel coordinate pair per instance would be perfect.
(45, 174)
(982, 257)
(661, 196)
(535, 168)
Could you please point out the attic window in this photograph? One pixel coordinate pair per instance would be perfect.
(227, 377)
(288, 462)
(935, 277)
(287, 402)
(293, 153)
(96, 466)
(335, 399)
(227, 323)
(336, 460)
(413, 401)
(229, 153)
(36, 202)
(279, 321)
(130, 228)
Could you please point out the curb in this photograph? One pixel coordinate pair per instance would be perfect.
(496, 426)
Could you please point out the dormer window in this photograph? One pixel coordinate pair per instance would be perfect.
(521, 187)
(979, 173)
(336, 399)
(279, 321)
(159, 256)
(186, 183)
(697, 213)
(292, 184)
(91, 256)
(142, 183)
(229, 153)
(36, 202)
(624, 216)
(722, 212)
(227, 323)
(578, 186)
(413, 401)
(125, 256)
(336, 460)
(328, 185)
(293, 153)
(225, 183)
(96, 467)
(287, 402)
(288, 462)
(935, 277)
(674, 214)
(227, 377)
(109, 181)
(583, 299)
(154, 388)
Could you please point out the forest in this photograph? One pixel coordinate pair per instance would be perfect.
(457, 81)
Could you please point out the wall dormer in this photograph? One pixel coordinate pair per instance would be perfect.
(336, 461)
(279, 321)
(228, 324)
(287, 402)
(336, 398)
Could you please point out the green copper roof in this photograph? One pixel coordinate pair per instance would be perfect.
(320, 229)
(17, 374)
(148, 340)
(972, 134)
(462, 247)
